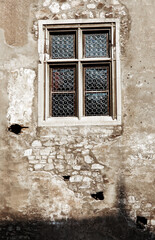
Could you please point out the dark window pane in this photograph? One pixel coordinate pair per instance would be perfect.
(63, 46)
(96, 79)
(63, 104)
(63, 79)
(96, 104)
(96, 45)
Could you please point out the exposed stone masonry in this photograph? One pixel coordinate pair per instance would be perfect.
(83, 157)
(86, 9)
(71, 156)
(75, 160)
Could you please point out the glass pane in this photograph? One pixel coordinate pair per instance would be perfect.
(63, 104)
(96, 79)
(63, 79)
(96, 44)
(63, 46)
(96, 104)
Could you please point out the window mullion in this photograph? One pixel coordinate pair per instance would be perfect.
(80, 79)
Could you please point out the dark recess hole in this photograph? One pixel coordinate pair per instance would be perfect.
(66, 178)
(16, 128)
(98, 196)
(141, 222)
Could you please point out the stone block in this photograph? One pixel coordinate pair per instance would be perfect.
(87, 179)
(91, 6)
(87, 173)
(50, 160)
(60, 157)
(88, 159)
(69, 156)
(77, 167)
(54, 7)
(85, 185)
(33, 162)
(153, 222)
(97, 166)
(36, 143)
(45, 152)
(49, 167)
(131, 199)
(38, 166)
(65, 6)
(28, 152)
(43, 161)
(38, 157)
(78, 145)
(60, 167)
(52, 153)
(85, 152)
(148, 205)
(30, 169)
(46, 3)
(31, 158)
(76, 178)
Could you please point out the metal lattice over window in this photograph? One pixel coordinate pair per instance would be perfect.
(79, 73)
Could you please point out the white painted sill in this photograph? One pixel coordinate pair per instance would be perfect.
(84, 121)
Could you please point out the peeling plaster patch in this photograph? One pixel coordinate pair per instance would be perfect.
(20, 93)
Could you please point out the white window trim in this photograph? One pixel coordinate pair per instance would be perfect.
(43, 82)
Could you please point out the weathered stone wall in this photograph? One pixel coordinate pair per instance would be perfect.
(53, 174)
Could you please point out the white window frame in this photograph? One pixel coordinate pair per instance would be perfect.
(43, 74)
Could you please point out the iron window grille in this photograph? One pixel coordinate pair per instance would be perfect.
(79, 73)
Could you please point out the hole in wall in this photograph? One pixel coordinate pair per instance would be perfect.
(66, 178)
(16, 128)
(98, 196)
(141, 222)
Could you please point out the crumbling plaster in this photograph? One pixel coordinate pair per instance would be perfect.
(32, 164)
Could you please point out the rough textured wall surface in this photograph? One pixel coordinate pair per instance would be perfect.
(76, 182)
